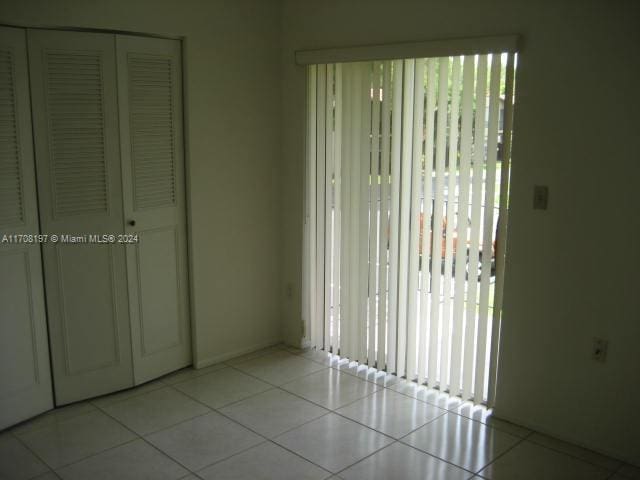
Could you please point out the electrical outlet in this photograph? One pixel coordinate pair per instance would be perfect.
(289, 290)
(540, 197)
(599, 351)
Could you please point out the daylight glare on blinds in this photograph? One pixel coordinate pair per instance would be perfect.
(406, 206)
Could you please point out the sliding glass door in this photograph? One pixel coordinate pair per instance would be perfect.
(406, 206)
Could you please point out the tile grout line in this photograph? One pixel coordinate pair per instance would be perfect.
(380, 388)
(348, 404)
(175, 460)
(21, 442)
(619, 470)
(275, 349)
(97, 410)
(278, 348)
(211, 409)
(393, 439)
(480, 422)
(497, 457)
(235, 367)
(141, 437)
(423, 425)
(366, 457)
(51, 412)
(235, 402)
(557, 450)
(526, 437)
(132, 389)
(94, 455)
(223, 366)
(330, 410)
(271, 387)
(54, 470)
(101, 408)
(447, 410)
(444, 459)
(400, 379)
(229, 457)
(171, 386)
(296, 379)
(258, 433)
(218, 410)
(413, 448)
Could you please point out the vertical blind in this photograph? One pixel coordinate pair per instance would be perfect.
(406, 213)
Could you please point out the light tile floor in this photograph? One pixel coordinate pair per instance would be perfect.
(284, 414)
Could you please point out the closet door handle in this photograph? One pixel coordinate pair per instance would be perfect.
(132, 223)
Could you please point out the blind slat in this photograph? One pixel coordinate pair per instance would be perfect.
(317, 327)
(457, 333)
(445, 375)
(345, 215)
(363, 237)
(329, 211)
(394, 216)
(436, 231)
(425, 296)
(354, 191)
(477, 164)
(414, 239)
(374, 205)
(309, 298)
(405, 212)
(383, 232)
(487, 234)
(337, 221)
(502, 227)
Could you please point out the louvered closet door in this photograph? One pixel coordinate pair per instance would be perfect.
(150, 95)
(25, 376)
(73, 80)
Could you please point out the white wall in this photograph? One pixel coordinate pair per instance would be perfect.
(571, 270)
(233, 130)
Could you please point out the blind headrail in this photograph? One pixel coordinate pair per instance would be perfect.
(395, 51)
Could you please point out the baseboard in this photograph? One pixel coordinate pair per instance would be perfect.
(304, 343)
(564, 438)
(206, 362)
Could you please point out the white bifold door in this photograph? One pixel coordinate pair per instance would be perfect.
(150, 95)
(80, 191)
(108, 136)
(25, 379)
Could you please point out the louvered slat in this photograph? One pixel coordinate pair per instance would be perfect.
(12, 211)
(76, 134)
(152, 126)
